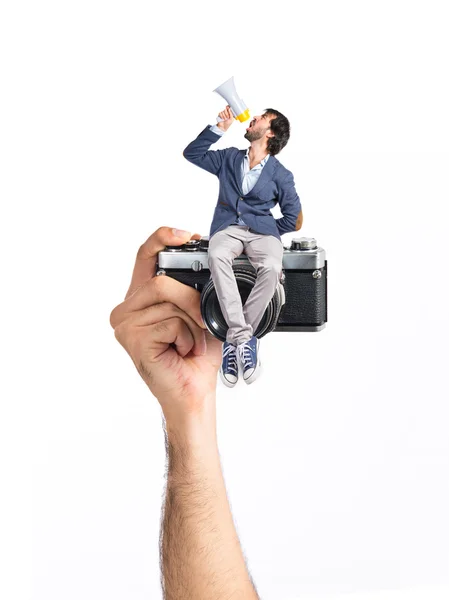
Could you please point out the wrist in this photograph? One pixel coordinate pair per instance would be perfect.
(193, 428)
(191, 446)
(223, 126)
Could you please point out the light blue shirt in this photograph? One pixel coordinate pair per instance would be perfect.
(249, 176)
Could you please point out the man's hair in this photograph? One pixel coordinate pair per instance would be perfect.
(280, 127)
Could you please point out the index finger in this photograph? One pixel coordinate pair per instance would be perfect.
(145, 265)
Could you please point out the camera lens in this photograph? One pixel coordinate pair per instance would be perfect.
(212, 313)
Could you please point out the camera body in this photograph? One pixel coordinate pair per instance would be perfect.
(298, 304)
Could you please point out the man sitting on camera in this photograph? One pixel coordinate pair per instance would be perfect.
(252, 181)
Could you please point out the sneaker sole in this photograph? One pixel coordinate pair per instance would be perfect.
(255, 374)
(226, 382)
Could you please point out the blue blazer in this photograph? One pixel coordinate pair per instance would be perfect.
(275, 184)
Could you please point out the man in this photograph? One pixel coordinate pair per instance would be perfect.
(252, 181)
(159, 324)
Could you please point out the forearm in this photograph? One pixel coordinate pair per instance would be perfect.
(286, 224)
(201, 556)
(290, 206)
(198, 153)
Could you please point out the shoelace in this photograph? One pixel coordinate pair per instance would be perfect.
(232, 358)
(245, 354)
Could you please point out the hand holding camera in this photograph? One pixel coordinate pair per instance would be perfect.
(160, 326)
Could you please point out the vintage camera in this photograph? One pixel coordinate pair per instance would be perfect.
(298, 304)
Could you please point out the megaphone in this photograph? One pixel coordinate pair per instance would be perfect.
(239, 109)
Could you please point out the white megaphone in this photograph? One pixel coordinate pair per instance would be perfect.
(238, 107)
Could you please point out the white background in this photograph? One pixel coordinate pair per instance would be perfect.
(337, 459)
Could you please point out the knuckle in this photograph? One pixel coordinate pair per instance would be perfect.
(158, 284)
(141, 251)
(168, 324)
(113, 318)
(161, 326)
(166, 308)
(120, 333)
(161, 232)
(171, 307)
(167, 290)
(179, 322)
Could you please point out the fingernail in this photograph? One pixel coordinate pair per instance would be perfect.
(180, 232)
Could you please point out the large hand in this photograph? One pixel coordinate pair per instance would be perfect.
(159, 311)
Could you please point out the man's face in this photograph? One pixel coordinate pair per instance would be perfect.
(258, 128)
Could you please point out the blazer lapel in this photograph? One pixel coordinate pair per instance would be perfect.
(265, 176)
(238, 169)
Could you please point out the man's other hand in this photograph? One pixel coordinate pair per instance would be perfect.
(160, 326)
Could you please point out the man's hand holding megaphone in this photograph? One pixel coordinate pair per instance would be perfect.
(227, 118)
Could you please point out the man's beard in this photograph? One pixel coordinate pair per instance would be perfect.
(252, 134)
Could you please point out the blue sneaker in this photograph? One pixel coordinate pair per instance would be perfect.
(229, 370)
(250, 359)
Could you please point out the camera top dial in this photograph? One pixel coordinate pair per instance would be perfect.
(303, 243)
